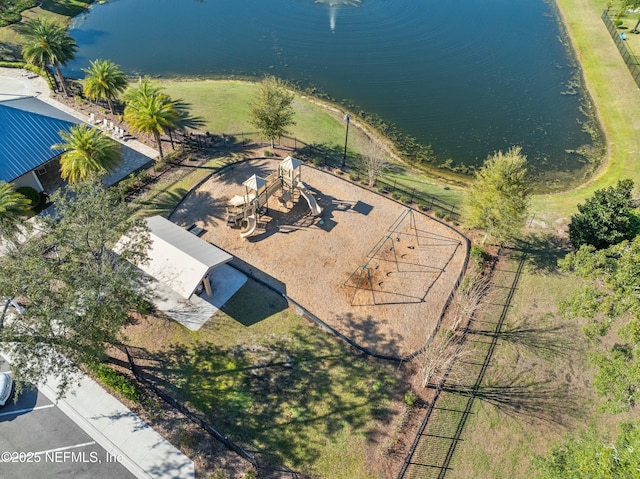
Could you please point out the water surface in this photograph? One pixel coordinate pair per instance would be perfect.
(468, 77)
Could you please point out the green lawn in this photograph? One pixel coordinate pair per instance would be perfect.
(271, 381)
(224, 107)
(60, 10)
(540, 377)
(537, 358)
(167, 193)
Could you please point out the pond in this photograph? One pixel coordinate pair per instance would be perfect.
(467, 77)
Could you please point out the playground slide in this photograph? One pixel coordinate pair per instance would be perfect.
(313, 205)
(251, 227)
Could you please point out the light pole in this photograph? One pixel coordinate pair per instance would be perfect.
(346, 138)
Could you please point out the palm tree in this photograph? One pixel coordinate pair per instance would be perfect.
(47, 43)
(13, 205)
(87, 152)
(104, 81)
(150, 111)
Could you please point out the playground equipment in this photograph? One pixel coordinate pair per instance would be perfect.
(252, 223)
(282, 185)
(311, 200)
(364, 274)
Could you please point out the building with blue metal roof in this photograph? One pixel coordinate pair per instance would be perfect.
(28, 129)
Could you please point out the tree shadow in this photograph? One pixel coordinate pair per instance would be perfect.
(213, 217)
(370, 333)
(185, 119)
(543, 251)
(325, 154)
(546, 341)
(288, 396)
(237, 173)
(527, 399)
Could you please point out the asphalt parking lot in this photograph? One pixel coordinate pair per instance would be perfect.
(37, 440)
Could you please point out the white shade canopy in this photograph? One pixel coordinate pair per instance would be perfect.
(290, 163)
(255, 182)
(178, 258)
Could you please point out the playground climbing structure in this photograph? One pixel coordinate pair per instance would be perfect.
(248, 208)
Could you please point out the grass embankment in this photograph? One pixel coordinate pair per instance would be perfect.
(271, 381)
(616, 98)
(60, 10)
(224, 107)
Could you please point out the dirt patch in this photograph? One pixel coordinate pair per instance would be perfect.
(376, 271)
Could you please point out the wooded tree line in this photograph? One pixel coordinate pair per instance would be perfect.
(607, 261)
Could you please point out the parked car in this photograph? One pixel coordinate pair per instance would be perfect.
(6, 385)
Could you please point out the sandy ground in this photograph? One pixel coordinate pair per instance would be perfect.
(318, 261)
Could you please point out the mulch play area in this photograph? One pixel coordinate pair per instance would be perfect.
(375, 270)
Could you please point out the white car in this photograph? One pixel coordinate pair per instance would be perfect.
(6, 385)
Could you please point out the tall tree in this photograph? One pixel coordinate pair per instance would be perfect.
(76, 292)
(498, 200)
(606, 218)
(105, 81)
(47, 43)
(13, 206)
(150, 111)
(271, 111)
(87, 152)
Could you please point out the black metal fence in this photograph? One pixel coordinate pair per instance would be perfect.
(331, 156)
(625, 51)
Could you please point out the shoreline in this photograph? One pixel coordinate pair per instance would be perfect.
(584, 29)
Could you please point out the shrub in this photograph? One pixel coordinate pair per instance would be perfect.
(439, 213)
(478, 255)
(268, 153)
(116, 381)
(316, 161)
(12, 64)
(144, 176)
(354, 176)
(395, 195)
(128, 184)
(409, 399)
(30, 193)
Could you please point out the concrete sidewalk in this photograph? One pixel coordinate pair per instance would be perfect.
(144, 452)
